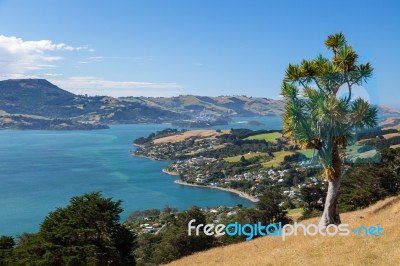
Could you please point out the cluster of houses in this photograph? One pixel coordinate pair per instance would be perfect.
(215, 214)
(195, 170)
(151, 227)
(197, 165)
(175, 149)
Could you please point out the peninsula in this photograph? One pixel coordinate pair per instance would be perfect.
(248, 162)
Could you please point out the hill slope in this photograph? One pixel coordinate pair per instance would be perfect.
(34, 97)
(218, 106)
(318, 250)
(40, 98)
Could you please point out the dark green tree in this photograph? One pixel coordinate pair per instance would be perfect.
(365, 184)
(86, 232)
(270, 206)
(317, 117)
(312, 194)
(174, 242)
(7, 243)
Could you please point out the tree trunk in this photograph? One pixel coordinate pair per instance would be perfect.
(331, 207)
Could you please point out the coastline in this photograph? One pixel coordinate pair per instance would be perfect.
(237, 192)
(169, 173)
(179, 182)
(142, 156)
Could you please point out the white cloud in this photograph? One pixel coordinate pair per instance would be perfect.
(46, 66)
(52, 75)
(97, 86)
(96, 58)
(18, 76)
(19, 57)
(38, 59)
(52, 58)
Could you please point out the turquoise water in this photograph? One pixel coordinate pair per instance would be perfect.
(42, 170)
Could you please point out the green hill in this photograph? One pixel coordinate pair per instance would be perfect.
(40, 98)
(218, 106)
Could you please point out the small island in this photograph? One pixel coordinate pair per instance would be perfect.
(255, 123)
(28, 122)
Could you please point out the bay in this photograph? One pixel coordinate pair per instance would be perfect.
(41, 170)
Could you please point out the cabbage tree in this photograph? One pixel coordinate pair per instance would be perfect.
(318, 117)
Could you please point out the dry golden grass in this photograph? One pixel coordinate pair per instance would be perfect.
(393, 127)
(189, 134)
(278, 159)
(391, 135)
(390, 121)
(318, 250)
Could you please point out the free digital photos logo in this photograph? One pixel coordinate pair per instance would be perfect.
(284, 231)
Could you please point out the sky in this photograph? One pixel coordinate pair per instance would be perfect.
(170, 47)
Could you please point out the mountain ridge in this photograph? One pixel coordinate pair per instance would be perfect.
(39, 97)
(44, 100)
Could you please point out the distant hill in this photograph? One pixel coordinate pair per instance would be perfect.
(35, 97)
(387, 110)
(317, 250)
(44, 100)
(227, 105)
(218, 106)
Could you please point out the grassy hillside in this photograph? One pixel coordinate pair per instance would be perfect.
(267, 136)
(278, 158)
(247, 156)
(217, 106)
(318, 250)
(38, 97)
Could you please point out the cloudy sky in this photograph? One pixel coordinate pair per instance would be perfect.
(171, 47)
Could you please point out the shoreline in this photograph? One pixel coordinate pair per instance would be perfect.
(231, 190)
(179, 182)
(165, 171)
(142, 156)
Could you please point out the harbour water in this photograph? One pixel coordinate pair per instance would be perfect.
(42, 170)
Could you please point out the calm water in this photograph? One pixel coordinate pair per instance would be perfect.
(42, 170)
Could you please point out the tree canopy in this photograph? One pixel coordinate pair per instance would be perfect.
(86, 232)
(320, 118)
(316, 115)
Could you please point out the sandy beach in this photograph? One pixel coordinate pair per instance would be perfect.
(179, 182)
(170, 173)
(240, 193)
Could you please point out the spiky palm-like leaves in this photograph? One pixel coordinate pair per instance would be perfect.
(316, 117)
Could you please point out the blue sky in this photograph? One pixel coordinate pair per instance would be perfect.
(164, 47)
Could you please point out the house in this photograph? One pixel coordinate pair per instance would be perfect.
(156, 225)
(231, 213)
